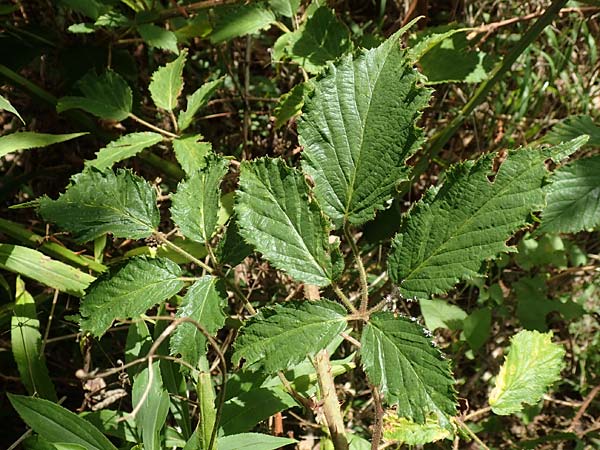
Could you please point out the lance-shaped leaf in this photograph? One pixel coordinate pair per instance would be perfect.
(107, 96)
(238, 20)
(123, 148)
(191, 153)
(7, 106)
(96, 203)
(196, 101)
(276, 217)
(196, 203)
(57, 424)
(532, 365)
(358, 129)
(28, 139)
(26, 343)
(204, 303)
(128, 292)
(399, 357)
(167, 83)
(253, 441)
(447, 235)
(574, 197)
(308, 326)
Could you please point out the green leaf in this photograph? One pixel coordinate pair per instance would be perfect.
(107, 96)
(151, 418)
(532, 365)
(26, 344)
(204, 302)
(238, 20)
(158, 37)
(310, 326)
(290, 104)
(191, 153)
(37, 266)
(276, 217)
(64, 446)
(573, 127)
(232, 249)
(405, 431)
(197, 101)
(447, 235)
(128, 291)
(167, 83)
(477, 327)
(574, 197)
(322, 38)
(441, 314)
(358, 129)
(81, 28)
(287, 8)
(399, 357)
(253, 441)
(57, 424)
(97, 202)
(7, 106)
(195, 206)
(123, 148)
(27, 139)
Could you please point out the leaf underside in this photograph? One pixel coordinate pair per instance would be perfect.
(276, 217)
(399, 357)
(96, 203)
(167, 83)
(284, 335)
(358, 129)
(447, 235)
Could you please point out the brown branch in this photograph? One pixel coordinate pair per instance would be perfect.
(582, 409)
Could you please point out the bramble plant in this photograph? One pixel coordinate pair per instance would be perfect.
(357, 123)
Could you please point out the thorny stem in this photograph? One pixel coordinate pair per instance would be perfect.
(152, 127)
(364, 286)
(477, 413)
(470, 432)
(345, 300)
(161, 238)
(378, 426)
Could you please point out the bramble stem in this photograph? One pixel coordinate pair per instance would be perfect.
(152, 127)
(345, 300)
(191, 258)
(364, 285)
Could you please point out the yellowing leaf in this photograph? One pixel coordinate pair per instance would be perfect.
(405, 431)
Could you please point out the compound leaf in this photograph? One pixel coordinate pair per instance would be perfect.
(128, 292)
(57, 424)
(28, 139)
(197, 101)
(533, 363)
(399, 357)
(26, 343)
(167, 83)
(96, 203)
(449, 233)
(37, 266)
(196, 204)
(204, 303)
(308, 326)
(107, 96)
(276, 217)
(238, 20)
(574, 197)
(191, 153)
(123, 148)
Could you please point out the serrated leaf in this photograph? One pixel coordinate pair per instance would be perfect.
(399, 357)
(158, 37)
(197, 101)
(239, 20)
(276, 217)
(27, 140)
(573, 127)
(287, 8)
(311, 326)
(573, 198)
(447, 235)
(290, 104)
(191, 153)
(107, 96)
(532, 365)
(253, 441)
(37, 266)
(405, 431)
(97, 202)
(123, 148)
(167, 83)
(7, 106)
(204, 302)
(441, 314)
(322, 38)
(232, 249)
(26, 344)
(57, 424)
(358, 129)
(195, 206)
(128, 291)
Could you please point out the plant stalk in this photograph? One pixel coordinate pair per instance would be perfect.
(364, 285)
